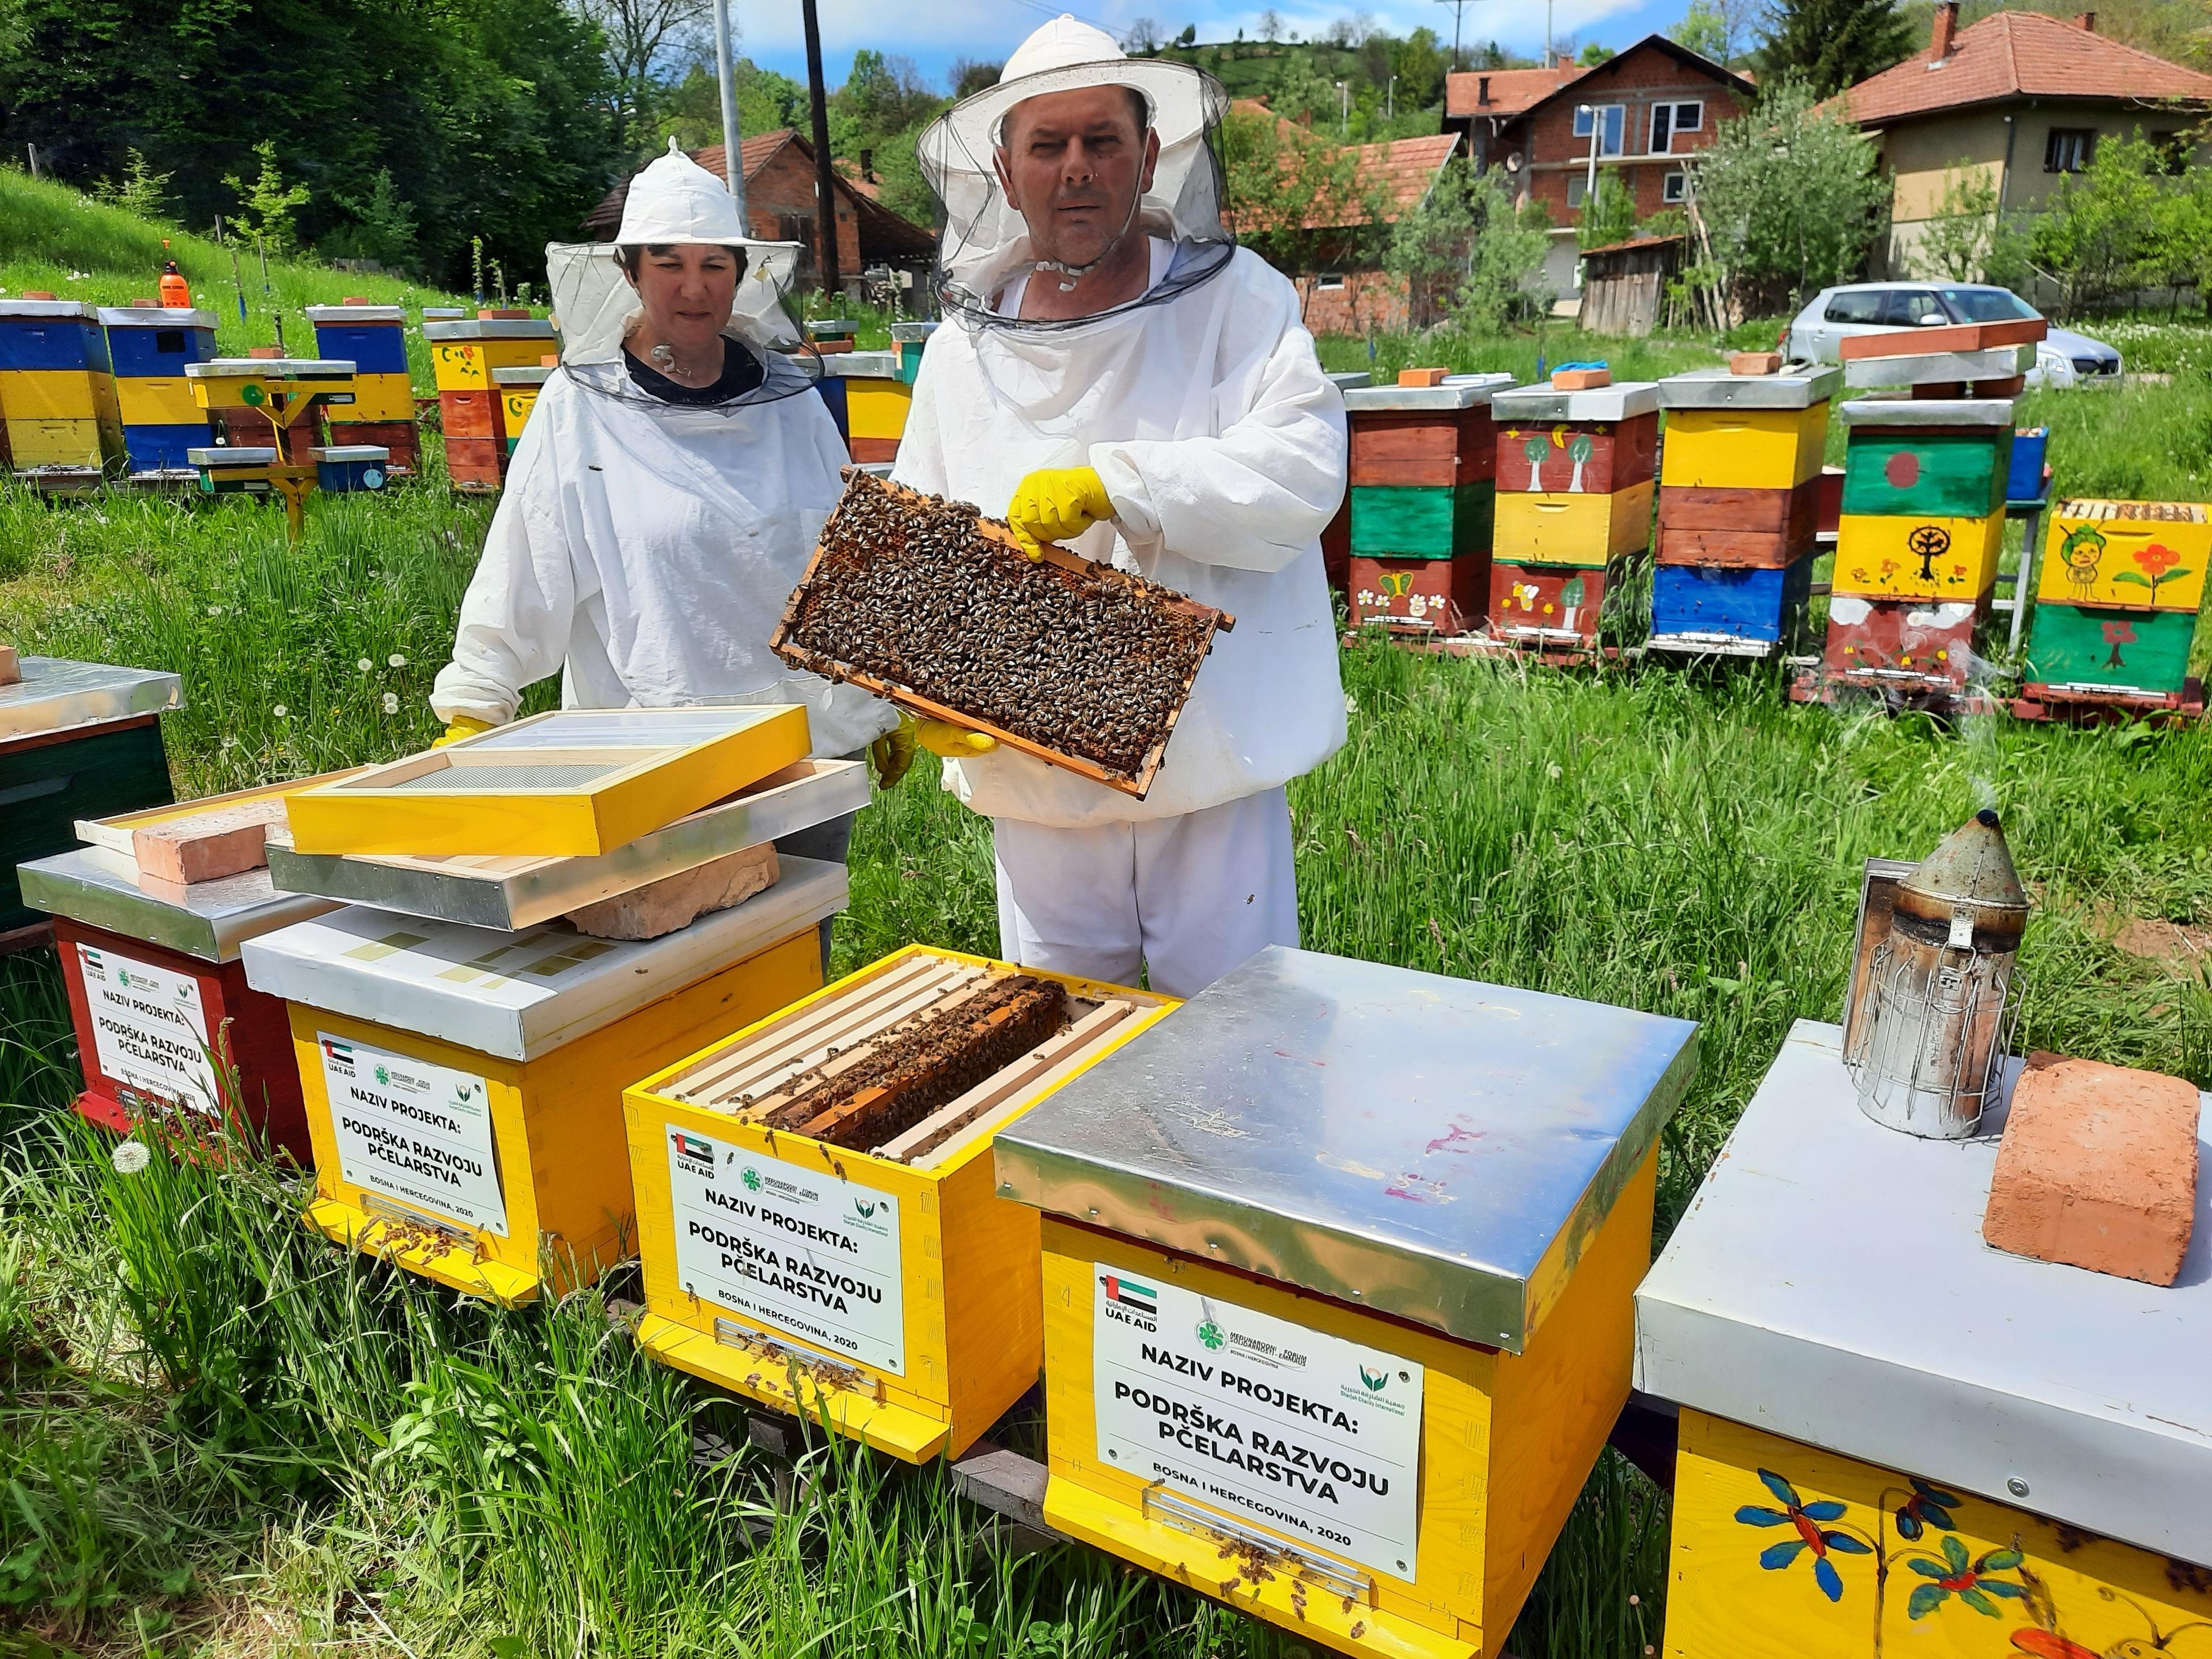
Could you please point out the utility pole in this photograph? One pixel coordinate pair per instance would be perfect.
(1390, 100)
(733, 166)
(1459, 10)
(825, 189)
(1547, 33)
(1344, 108)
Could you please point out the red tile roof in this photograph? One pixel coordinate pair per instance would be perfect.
(754, 154)
(2022, 54)
(1511, 91)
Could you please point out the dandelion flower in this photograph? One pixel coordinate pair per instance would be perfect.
(391, 702)
(215, 610)
(1351, 703)
(364, 664)
(130, 1157)
(395, 660)
(1553, 772)
(280, 711)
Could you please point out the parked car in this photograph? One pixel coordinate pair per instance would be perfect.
(2063, 358)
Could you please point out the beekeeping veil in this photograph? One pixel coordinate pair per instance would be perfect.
(987, 243)
(674, 202)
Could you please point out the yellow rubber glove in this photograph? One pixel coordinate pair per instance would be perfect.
(1056, 504)
(893, 754)
(950, 742)
(462, 725)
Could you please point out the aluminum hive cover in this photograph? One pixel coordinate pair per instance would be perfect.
(56, 693)
(1405, 1142)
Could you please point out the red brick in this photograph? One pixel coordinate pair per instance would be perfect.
(2098, 1169)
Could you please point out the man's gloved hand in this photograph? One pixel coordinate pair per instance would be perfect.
(461, 726)
(1056, 504)
(950, 742)
(893, 753)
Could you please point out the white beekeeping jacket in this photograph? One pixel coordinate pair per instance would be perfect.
(1222, 444)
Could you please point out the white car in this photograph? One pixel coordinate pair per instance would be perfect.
(2063, 358)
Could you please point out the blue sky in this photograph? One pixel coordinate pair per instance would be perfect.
(933, 33)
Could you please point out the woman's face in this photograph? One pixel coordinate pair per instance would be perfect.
(687, 292)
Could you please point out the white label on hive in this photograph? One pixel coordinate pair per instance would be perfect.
(812, 1256)
(1312, 1436)
(149, 1029)
(418, 1131)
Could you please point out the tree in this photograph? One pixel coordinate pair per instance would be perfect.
(1713, 28)
(1418, 61)
(1830, 44)
(1609, 216)
(1271, 26)
(970, 76)
(1300, 92)
(383, 228)
(1143, 36)
(2101, 232)
(1787, 199)
(1594, 54)
(1189, 35)
(1956, 244)
(265, 207)
(141, 191)
(644, 40)
(1288, 186)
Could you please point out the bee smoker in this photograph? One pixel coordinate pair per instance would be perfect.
(1940, 991)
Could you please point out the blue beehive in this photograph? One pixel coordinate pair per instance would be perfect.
(1756, 606)
(2024, 482)
(150, 347)
(346, 467)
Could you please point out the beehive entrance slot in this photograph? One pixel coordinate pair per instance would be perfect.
(1171, 1510)
(733, 1333)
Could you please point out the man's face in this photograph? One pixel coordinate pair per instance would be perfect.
(1073, 164)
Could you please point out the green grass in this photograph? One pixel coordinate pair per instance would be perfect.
(220, 1434)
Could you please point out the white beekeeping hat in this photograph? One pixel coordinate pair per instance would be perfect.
(986, 240)
(674, 200)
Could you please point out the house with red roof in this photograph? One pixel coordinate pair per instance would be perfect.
(2022, 98)
(1342, 287)
(1638, 117)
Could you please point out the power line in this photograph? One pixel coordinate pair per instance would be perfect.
(1459, 10)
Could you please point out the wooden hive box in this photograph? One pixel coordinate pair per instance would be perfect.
(884, 1288)
(1550, 604)
(577, 781)
(1705, 607)
(463, 1087)
(2143, 653)
(1740, 469)
(1596, 442)
(1915, 646)
(906, 573)
(1897, 1440)
(2136, 555)
(1285, 1364)
(464, 353)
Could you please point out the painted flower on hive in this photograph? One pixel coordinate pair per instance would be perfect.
(1964, 1576)
(1811, 1535)
(1928, 1507)
(2157, 563)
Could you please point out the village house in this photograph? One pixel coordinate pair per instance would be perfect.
(1641, 112)
(781, 206)
(2022, 98)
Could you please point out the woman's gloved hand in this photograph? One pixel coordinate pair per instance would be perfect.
(950, 742)
(461, 726)
(892, 754)
(1056, 504)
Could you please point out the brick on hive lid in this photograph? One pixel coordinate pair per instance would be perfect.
(2098, 1169)
(1755, 362)
(1581, 379)
(1423, 376)
(11, 667)
(355, 300)
(266, 353)
(38, 293)
(145, 305)
(503, 314)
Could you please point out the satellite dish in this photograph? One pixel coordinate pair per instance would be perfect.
(1513, 161)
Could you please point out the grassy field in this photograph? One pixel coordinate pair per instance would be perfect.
(219, 1435)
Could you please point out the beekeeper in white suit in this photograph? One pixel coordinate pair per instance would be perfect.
(1115, 375)
(667, 492)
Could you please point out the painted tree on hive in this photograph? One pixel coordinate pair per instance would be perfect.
(1830, 44)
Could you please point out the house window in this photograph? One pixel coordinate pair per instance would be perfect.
(1667, 119)
(1674, 187)
(794, 228)
(1329, 281)
(2172, 149)
(2068, 149)
(1609, 121)
(1577, 190)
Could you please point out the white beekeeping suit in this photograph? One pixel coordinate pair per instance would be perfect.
(645, 549)
(1203, 410)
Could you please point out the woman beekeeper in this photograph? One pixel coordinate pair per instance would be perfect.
(667, 494)
(1115, 375)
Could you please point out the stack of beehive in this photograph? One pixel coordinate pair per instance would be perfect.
(908, 340)
(1916, 548)
(1924, 485)
(1738, 499)
(1424, 462)
(464, 356)
(869, 398)
(518, 395)
(2116, 601)
(149, 346)
(1575, 466)
(382, 412)
(56, 388)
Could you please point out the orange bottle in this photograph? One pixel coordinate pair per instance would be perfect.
(174, 289)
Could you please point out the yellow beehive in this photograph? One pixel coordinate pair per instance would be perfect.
(876, 408)
(57, 394)
(377, 398)
(463, 1087)
(1297, 1357)
(1901, 556)
(75, 443)
(890, 1291)
(463, 354)
(158, 400)
(1566, 527)
(1743, 449)
(578, 782)
(2145, 556)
